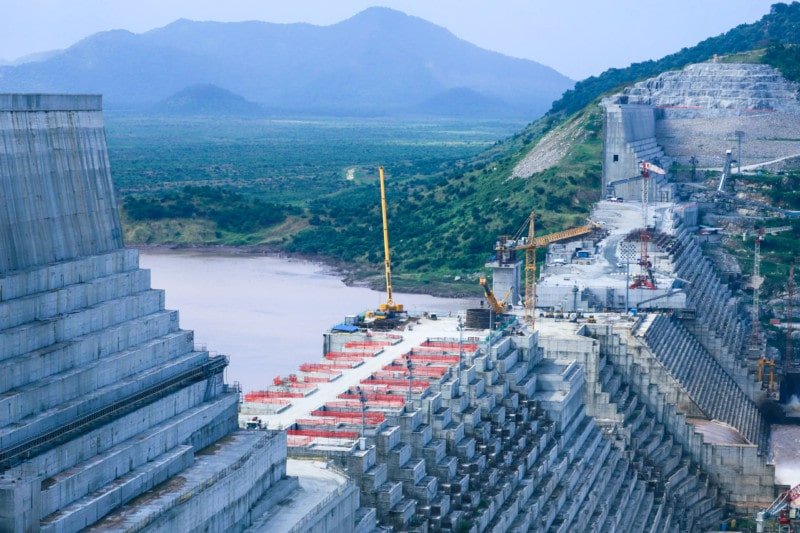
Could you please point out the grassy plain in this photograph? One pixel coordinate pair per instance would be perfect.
(264, 182)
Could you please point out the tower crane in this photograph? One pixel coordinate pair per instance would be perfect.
(390, 306)
(757, 280)
(645, 279)
(529, 243)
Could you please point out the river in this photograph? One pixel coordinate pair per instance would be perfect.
(267, 313)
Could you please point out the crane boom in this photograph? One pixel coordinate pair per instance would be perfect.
(530, 244)
(497, 306)
(387, 262)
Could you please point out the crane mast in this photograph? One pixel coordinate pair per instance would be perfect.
(530, 273)
(389, 306)
(757, 281)
(530, 244)
(789, 357)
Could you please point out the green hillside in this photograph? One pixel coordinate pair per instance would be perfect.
(780, 26)
(444, 222)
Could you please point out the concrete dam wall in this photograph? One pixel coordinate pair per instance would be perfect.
(110, 417)
(699, 109)
(55, 182)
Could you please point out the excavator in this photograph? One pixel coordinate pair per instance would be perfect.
(499, 307)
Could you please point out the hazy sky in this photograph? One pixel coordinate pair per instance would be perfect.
(577, 37)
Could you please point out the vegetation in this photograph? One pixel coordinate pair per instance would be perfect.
(229, 210)
(449, 223)
(449, 190)
(786, 58)
(780, 26)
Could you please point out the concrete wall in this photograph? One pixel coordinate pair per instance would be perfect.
(626, 128)
(83, 335)
(506, 280)
(56, 196)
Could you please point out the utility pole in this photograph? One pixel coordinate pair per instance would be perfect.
(460, 343)
(363, 399)
(410, 379)
(789, 357)
(739, 136)
(575, 300)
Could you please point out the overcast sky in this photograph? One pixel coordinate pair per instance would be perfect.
(577, 37)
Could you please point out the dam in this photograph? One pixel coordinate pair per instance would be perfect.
(591, 418)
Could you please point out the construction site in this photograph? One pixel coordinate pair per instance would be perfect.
(624, 383)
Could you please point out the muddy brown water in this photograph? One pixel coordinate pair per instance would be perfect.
(267, 313)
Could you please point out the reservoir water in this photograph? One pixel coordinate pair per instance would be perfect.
(267, 314)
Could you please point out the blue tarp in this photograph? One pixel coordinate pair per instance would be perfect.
(347, 328)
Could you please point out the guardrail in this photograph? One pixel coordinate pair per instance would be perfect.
(36, 445)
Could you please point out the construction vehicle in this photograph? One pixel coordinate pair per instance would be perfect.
(762, 362)
(778, 509)
(499, 307)
(506, 248)
(390, 306)
(389, 314)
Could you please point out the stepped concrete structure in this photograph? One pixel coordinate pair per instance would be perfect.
(490, 432)
(695, 113)
(110, 418)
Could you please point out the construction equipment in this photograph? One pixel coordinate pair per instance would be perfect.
(762, 362)
(499, 307)
(390, 306)
(788, 358)
(726, 171)
(778, 509)
(757, 280)
(645, 280)
(506, 247)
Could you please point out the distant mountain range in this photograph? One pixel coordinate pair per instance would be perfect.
(380, 61)
(209, 100)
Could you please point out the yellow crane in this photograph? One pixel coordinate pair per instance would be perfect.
(390, 306)
(499, 307)
(529, 244)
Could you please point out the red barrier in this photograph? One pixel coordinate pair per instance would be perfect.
(346, 356)
(320, 379)
(257, 396)
(372, 396)
(332, 368)
(446, 360)
(416, 370)
(453, 345)
(325, 433)
(366, 344)
(370, 416)
(398, 384)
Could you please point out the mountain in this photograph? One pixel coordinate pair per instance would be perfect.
(461, 102)
(780, 26)
(379, 61)
(208, 100)
(451, 221)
